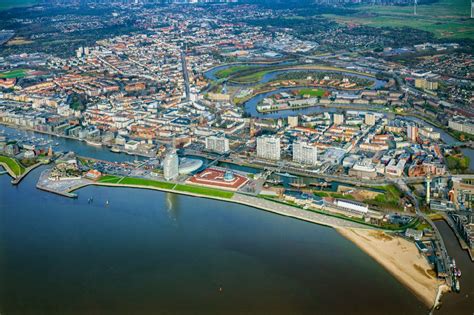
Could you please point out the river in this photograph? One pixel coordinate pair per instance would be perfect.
(152, 252)
(250, 106)
(66, 144)
(462, 303)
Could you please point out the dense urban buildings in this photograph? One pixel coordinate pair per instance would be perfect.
(358, 117)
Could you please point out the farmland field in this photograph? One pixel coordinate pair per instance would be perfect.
(445, 18)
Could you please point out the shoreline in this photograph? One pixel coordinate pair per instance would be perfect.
(237, 198)
(408, 267)
(8, 170)
(52, 134)
(406, 271)
(404, 265)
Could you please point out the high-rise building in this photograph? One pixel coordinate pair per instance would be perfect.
(293, 121)
(217, 144)
(171, 165)
(412, 133)
(426, 84)
(80, 52)
(338, 119)
(305, 153)
(370, 119)
(268, 147)
(428, 189)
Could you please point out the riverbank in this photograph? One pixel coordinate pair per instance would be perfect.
(18, 176)
(254, 202)
(102, 145)
(8, 170)
(399, 257)
(333, 105)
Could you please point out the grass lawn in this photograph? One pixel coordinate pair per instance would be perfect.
(445, 18)
(109, 179)
(18, 73)
(204, 191)
(225, 73)
(312, 92)
(461, 136)
(146, 182)
(332, 194)
(389, 199)
(13, 164)
(251, 78)
(258, 74)
(457, 163)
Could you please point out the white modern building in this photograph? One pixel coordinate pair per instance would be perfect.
(293, 121)
(338, 119)
(352, 205)
(188, 165)
(370, 119)
(217, 144)
(395, 168)
(305, 153)
(171, 165)
(268, 147)
(462, 124)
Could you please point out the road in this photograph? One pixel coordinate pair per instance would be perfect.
(438, 238)
(184, 64)
(295, 212)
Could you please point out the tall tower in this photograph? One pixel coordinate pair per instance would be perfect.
(472, 9)
(414, 7)
(428, 189)
(171, 165)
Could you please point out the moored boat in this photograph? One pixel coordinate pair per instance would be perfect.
(298, 183)
(94, 143)
(115, 149)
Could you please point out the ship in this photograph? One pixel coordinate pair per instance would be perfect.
(453, 264)
(320, 184)
(94, 143)
(115, 149)
(286, 175)
(457, 272)
(274, 181)
(457, 286)
(298, 183)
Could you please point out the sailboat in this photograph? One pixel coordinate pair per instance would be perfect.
(298, 183)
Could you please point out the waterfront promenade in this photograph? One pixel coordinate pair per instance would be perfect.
(66, 187)
(294, 212)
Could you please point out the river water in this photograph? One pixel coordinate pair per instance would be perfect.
(152, 252)
(463, 302)
(149, 252)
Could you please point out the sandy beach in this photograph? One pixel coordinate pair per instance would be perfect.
(401, 258)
